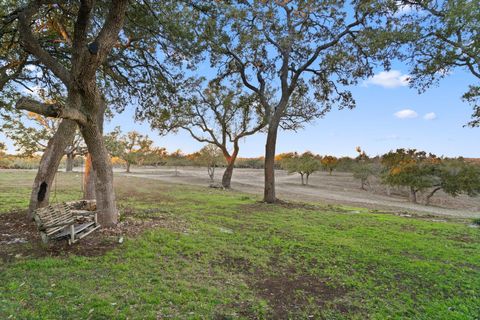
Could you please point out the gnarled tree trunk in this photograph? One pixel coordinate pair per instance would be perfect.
(49, 165)
(228, 173)
(104, 191)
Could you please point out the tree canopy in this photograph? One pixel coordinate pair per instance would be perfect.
(445, 38)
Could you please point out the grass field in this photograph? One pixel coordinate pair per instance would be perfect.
(224, 255)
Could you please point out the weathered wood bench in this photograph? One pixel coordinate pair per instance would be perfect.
(60, 221)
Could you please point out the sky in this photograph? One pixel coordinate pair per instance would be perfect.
(389, 115)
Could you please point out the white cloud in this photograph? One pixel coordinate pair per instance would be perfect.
(406, 114)
(403, 9)
(389, 79)
(430, 116)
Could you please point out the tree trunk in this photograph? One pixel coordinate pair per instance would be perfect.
(102, 165)
(306, 178)
(413, 195)
(227, 175)
(49, 165)
(211, 172)
(70, 158)
(269, 191)
(430, 195)
(128, 167)
(89, 192)
(301, 177)
(88, 179)
(363, 184)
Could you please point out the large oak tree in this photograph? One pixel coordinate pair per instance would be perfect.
(310, 48)
(86, 53)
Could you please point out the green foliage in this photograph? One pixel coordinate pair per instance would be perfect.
(364, 170)
(410, 168)
(304, 164)
(421, 172)
(131, 147)
(329, 163)
(251, 163)
(209, 156)
(457, 177)
(445, 38)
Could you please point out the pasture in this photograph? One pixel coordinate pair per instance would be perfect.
(192, 252)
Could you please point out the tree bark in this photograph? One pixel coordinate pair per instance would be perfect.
(104, 190)
(211, 172)
(128, 167)
(306, 180)
(88, 179)
(49, 165)
(70, 159)
(270, 146)
(228, 173)
(431, 194)
(301, 177)
(413, 195)
(363, 184)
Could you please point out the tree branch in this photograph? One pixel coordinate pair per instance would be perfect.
(31, 44)
(54, 110)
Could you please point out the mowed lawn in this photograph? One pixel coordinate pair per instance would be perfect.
(224, 255)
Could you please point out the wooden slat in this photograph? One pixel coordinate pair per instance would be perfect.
(57, 221)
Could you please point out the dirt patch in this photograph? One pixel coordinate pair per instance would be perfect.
(463, 238)
(19, 236)
(289, 292)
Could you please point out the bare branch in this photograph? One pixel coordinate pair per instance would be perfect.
(54, 110)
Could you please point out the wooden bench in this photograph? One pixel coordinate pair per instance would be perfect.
(59, 221)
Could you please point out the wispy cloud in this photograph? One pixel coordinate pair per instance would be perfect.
(389, 79)
(430, 116)
(406, 114)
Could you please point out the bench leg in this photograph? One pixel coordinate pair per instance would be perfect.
(72, 235)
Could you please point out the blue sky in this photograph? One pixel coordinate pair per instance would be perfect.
(389, 115)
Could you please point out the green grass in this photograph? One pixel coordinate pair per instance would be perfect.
(228, 256)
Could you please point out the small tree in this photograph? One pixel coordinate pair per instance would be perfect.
(156, 156)
(216, 115)
(455, 177)
(363, 169)
(410, 168)
(329, 163)
(305, 165)
(133, 148)
(210, 156)
(176, 159)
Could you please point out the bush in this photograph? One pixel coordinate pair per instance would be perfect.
(5, 163)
